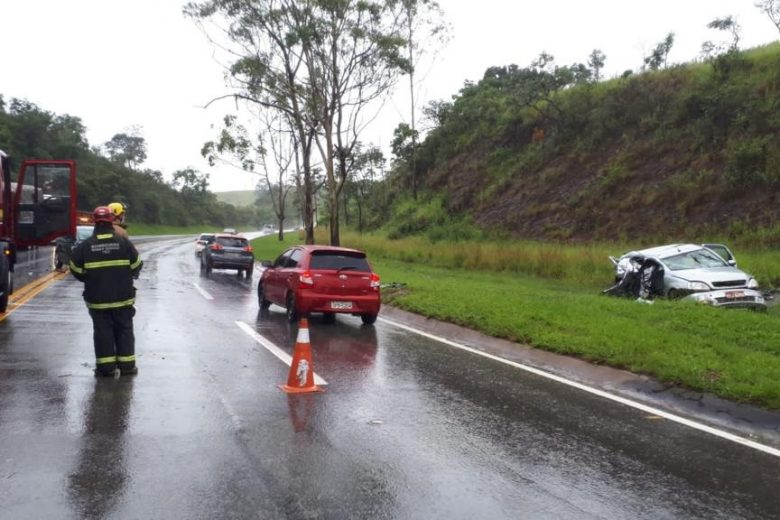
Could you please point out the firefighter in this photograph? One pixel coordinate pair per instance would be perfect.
(107, 263)
(119, 210)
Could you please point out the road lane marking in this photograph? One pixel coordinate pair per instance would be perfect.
(203, 292)
(601, 393)
(273, 349)
(30, 291)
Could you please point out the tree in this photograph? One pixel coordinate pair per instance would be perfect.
(533, 87)
(320, 62)
(353, 54)
(710, 49)
(436, 113)
(190, 181)
(128, 149)
(404, 140)
(771, 8)
(658, 58)
(267, 68)
(420, 16)
(279, 142)
(273, 148)
(368, 165)
(596, 62)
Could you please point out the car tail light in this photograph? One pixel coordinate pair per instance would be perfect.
(306, 278)
(374, 284)
(248, 249)
(216, 247)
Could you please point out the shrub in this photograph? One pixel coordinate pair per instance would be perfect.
(746, 163)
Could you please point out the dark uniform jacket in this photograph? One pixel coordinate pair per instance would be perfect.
(107, 264)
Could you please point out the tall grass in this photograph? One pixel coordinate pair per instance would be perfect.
(577, 263)
(586, 265)
(581, 264)
(137, 229)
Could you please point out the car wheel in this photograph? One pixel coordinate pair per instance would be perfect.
(208, 268)
(368, 319)
(674, 294)
(264, 304)
(240, 273)
(292, 312)
(329, 317)
(249, 273)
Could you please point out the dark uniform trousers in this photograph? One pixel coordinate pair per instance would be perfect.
(113, 338)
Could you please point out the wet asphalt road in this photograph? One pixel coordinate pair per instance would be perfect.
(407, 427)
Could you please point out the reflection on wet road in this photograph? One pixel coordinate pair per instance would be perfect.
(407, 427)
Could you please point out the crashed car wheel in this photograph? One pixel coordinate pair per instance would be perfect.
(674, 294)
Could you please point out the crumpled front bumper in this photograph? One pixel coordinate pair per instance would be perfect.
(736, 298)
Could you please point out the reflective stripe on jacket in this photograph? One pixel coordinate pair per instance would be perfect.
(107, 264)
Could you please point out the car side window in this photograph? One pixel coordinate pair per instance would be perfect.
(295, 258)
(722, 251)
(281, 260)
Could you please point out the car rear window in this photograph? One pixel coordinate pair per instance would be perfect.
(339, 260)
(232, 242)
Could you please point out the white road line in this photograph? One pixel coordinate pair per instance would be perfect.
(273, 349)
(203, 292)
(601, 393)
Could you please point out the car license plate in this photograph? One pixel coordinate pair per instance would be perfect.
(340, 305)
(730, 295)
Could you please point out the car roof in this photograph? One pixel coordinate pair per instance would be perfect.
(229, 235)
(207, 234)
(336, 249)
(669, 250)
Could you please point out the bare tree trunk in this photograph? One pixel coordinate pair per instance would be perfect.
(413, 158)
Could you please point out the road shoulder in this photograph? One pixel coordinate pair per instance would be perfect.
(745, 420)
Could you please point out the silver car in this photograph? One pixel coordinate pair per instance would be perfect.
(705, 273)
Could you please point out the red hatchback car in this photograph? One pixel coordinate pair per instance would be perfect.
(325, 279)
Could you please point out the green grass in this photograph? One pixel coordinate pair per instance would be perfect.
(732, 354)
(138, 229)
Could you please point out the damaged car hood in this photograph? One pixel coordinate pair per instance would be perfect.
(718, 277)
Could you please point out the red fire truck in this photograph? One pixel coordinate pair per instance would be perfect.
(36, 207)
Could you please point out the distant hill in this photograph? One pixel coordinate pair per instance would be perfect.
(238, 198)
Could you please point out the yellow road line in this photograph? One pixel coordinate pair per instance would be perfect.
(30, 291)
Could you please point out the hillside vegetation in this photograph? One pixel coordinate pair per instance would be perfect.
(684, 153)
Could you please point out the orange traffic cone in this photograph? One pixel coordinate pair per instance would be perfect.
(301, 378)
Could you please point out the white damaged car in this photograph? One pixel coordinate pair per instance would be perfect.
(705, 273)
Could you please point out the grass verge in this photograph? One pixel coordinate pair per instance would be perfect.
(159, 229)
(732, 354)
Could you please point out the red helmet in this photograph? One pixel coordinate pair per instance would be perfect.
(102, 214)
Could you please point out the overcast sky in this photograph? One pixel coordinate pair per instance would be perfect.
(123, 63)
